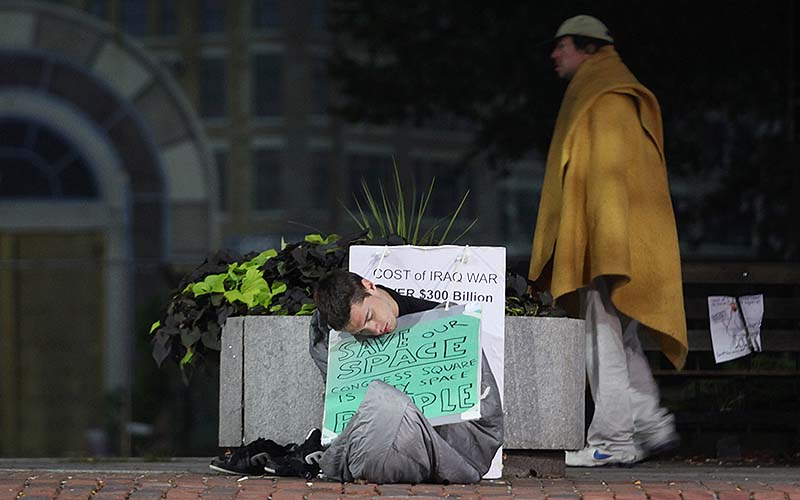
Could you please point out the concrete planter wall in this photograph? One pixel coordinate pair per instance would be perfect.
(545, 380)
(270, 387)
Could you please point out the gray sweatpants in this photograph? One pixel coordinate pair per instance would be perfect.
(628, 416)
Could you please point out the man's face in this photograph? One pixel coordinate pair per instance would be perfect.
(374, 316)
(567, 57)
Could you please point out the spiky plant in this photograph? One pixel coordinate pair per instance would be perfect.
(392, 215)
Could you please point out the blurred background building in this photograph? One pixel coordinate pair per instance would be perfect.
(136, 136)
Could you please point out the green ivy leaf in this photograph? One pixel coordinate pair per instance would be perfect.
(187, 358)
(253, 290)
(234, 295)
(213, 283)
(278, 287)
(264, 256)
(315, 238)
(319, 240)
(234, 272)
(217, 282)
(154, 327)
(306, 309)
(253, 280)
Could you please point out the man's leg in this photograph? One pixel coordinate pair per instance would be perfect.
(654, 425)
(610, 434)
(478, 440)
(388, 440)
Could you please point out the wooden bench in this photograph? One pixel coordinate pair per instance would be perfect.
(753, 400)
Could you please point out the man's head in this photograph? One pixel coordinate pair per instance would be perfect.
(576, 40)
(350, 303)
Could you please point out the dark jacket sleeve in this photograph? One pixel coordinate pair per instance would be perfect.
(318, 332)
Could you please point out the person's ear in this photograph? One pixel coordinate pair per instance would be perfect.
(370, 286)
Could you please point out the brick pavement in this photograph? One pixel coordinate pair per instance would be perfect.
(88, 485)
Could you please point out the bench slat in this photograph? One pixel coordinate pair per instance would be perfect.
(774, 308)
(771, 341)
(726, 373)
(737, 418)
(776, 273)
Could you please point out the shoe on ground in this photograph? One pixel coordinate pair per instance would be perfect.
(300, 461)
(592, 456)
(249, 460)
(663, 446)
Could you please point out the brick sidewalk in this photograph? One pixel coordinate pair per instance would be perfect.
(40, 485)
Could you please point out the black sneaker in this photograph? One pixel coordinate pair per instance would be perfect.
(300, 460)
(249, 460)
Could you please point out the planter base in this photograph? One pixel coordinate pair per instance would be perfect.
(533, 463)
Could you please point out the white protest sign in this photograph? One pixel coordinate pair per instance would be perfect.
(456, 274)
(735, 325)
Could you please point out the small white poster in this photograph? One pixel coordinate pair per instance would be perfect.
(735, 325)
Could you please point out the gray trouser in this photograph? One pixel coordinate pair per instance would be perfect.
(627, 414)
(388, 440)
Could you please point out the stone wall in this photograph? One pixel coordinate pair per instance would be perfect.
(270, 387)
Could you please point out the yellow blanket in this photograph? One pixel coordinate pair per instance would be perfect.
(605, 208)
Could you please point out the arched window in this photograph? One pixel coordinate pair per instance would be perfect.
(37, 162)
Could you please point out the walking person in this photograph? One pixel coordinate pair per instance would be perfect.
(605, 235)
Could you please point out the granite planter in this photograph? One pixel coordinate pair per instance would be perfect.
(270, 387)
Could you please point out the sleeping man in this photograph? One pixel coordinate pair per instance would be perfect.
(387, 440)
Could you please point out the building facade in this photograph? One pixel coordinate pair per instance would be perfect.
(136, 136)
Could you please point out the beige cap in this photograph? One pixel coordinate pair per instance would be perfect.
(584, 25)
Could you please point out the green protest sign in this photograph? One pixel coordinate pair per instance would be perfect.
(433, 356)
